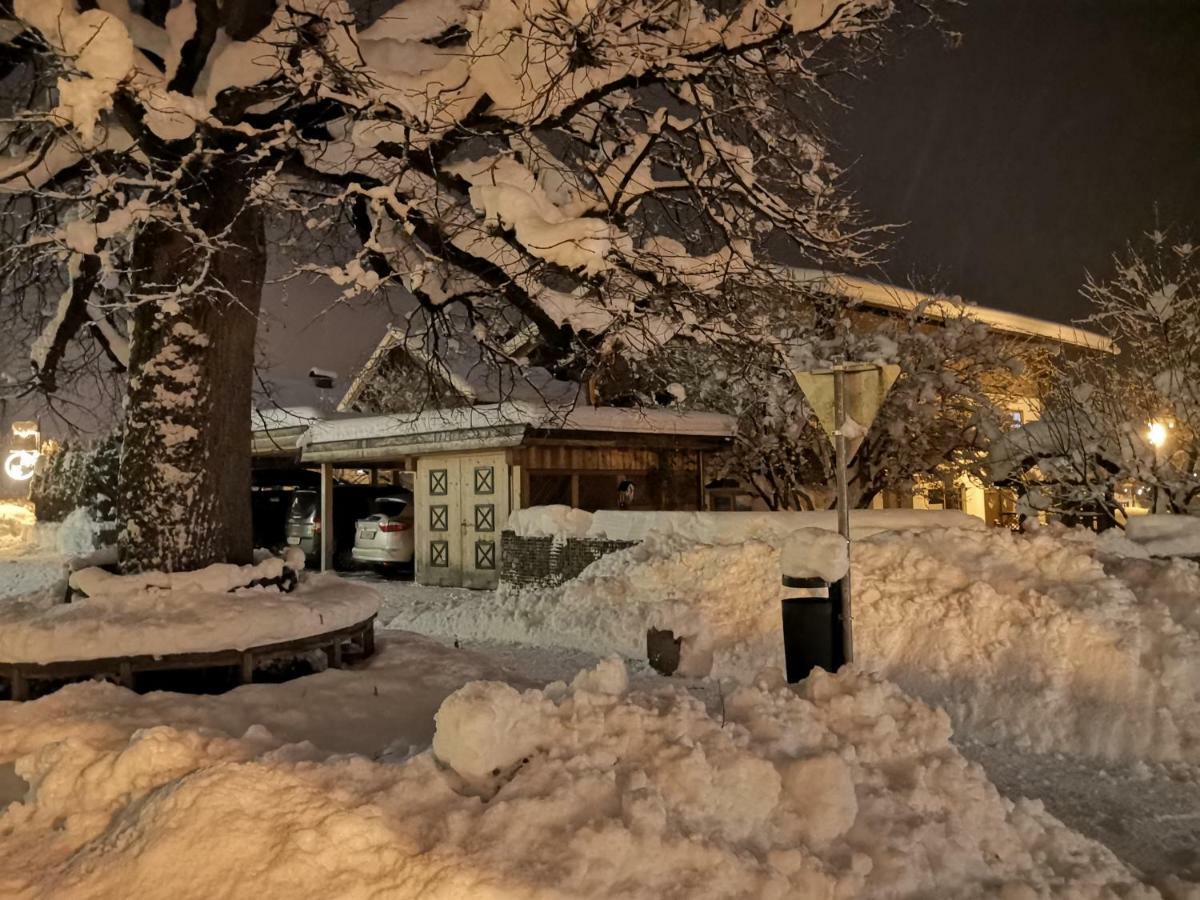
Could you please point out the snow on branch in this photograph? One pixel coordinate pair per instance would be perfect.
(602, 172)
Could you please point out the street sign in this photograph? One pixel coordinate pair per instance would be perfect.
(846, 400)
(866, 388)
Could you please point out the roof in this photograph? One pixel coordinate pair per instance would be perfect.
(473, 373)
(503, 424)
(888, 296)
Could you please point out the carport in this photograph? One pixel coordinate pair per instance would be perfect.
(474, 465)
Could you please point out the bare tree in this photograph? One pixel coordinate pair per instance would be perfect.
(597, 172)
(1110, 423)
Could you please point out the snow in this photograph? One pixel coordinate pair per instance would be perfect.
(508, 193)
(1050, 642)
(1165, 535)
(18, 525)
(550, 521)
(100, 48)
(844, 788)
(522, 413)
(156, 614)
(726, 527)
(889, 296)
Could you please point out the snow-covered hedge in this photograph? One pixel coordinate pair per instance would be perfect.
(78, 476)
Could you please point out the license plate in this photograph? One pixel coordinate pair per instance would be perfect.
(367, 535)
(294, 541)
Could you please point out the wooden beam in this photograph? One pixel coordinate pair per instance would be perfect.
(326, 512)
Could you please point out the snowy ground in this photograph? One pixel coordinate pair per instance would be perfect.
(601, 789)
(597, 789)
(1065, 612)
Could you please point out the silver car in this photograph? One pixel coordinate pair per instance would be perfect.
(386, 536)
(303, 527)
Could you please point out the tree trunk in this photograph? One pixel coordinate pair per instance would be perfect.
(184, 497)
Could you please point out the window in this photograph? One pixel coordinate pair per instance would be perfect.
(485, 554)
(485, 480)
(439, 482)
(439, 518)
(485, 517)
(549, 489)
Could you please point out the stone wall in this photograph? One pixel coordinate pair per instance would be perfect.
(541, 562)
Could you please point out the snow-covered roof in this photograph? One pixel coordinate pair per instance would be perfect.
(466, 368)
(889, 296)
(283, 407)
(270, 418)
(514, 418)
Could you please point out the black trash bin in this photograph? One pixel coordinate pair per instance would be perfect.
(812, 626)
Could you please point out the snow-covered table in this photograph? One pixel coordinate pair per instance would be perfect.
(129, 625)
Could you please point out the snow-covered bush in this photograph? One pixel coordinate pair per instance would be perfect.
(956, 375)
(78, 476)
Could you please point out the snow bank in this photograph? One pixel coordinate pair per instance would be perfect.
(1047, 640)
(846, 788)
(807, 549)
(187, 613)
(664, 582)
(1029, 639)
(1163, 535)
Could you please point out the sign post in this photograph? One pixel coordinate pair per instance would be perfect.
(846, 400)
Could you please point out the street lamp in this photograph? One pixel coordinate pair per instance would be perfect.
(1157, 435)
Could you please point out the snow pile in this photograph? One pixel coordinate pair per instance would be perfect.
(382, 706)
(158, 614)
(220, 577)
(1164, 535)
(18, 525)
(77, 535)
(846, 788)
(1047, 640)
(1029, 639)
(665, 582)
(550, 521)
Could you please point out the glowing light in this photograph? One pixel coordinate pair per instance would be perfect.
(1157, 435)
(20, 464)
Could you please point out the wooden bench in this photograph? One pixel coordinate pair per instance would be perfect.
(340, 646)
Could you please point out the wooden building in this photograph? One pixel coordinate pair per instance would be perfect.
(474, 465)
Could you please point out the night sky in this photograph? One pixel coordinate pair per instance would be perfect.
(1028, 154)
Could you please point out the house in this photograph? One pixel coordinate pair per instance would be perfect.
(478, 437)
(873, 298)
(479, 440)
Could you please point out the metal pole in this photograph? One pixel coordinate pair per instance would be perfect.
(843, 501)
